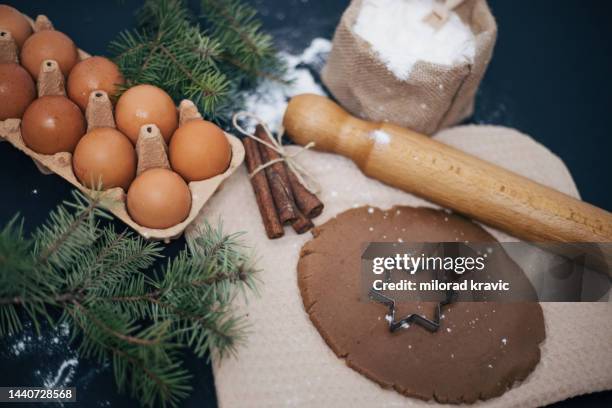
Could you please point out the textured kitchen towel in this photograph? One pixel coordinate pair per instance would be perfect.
(431, 98)
(285, 362)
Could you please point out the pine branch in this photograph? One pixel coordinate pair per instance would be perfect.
(63, 236)
(119, 312)
(208, 64)
(152, 372)
(236, 26)
(110, 330)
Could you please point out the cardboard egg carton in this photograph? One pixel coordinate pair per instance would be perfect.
(151, 148)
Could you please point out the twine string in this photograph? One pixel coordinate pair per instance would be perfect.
(276, 144)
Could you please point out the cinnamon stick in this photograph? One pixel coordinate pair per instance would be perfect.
(278, 181)
(261, 188)
(302, 223)
(307, 202)
(278, 178)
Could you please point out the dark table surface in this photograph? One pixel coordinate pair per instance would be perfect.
(550, 78)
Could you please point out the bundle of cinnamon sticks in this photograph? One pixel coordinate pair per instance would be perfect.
(281, 198)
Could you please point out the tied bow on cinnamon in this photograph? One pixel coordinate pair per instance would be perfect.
(284, 189)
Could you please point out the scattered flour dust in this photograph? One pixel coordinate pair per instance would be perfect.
(380, 137)
(64, 374)
(270, 99)
(397, 33)
(58, 360)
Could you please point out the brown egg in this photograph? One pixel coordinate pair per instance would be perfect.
(17, 91)
(93, 74)
(14, 22)
(49, 44)
(159, 198)
(52, 124)
(144, 104)
(105, 158)
(199, 150)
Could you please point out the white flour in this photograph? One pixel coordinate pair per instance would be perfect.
(381, 137)
(270, 99)
(58, 360)
(397, 33)
(64, 374)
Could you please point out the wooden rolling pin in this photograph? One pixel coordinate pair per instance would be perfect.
(449, 177)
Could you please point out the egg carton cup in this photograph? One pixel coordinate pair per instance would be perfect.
(151, 149)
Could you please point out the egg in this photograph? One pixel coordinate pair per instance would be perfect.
(14, 22)
(199, 150)
(17, 91)
(93, 74)
(104, 158)
(48, 44)
(144, 104)
(52, 124)
(158, 198)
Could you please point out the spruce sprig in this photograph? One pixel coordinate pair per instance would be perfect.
(96, 279)
(238, 30)
(208, 63)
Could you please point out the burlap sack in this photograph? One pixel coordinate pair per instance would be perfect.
(432, 98)
(286, 363)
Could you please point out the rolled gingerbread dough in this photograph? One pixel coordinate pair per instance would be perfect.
(480, 350)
